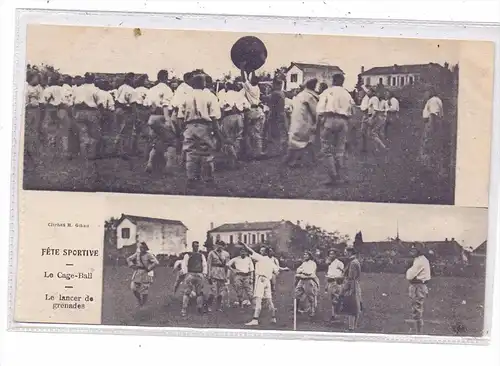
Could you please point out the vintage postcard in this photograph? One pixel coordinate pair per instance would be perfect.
(187, 262)
(183, 179)
(257, 115)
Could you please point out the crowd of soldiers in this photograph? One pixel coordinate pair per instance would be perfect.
(188, 121)
(253, 276)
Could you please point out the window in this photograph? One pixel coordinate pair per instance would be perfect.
(253, 238)
(294, 78)
(402, 80)
(126, 233)
(381, 81)
(388, 80)
(245, 238)
(394, 81)
(367, 81)
(410, 80)
(262, 238)
(230, 239)
(240, 235)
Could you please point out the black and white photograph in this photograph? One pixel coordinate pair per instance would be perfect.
(324, 267)
(242, 115)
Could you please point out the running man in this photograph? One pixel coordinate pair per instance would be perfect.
(264, 270)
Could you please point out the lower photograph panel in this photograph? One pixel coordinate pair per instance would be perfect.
(180, 262)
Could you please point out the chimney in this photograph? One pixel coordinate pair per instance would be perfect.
(452, 239)
(362, 69)
(446, 240)
(211, 226)
(298, 223)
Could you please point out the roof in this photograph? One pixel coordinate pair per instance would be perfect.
(302, 65)
(400, 69)
(481, 249)
(248, 226)
(439, 247)
(136, 219)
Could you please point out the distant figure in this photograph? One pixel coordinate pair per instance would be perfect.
(435, 148)
(363, 107)
(143, 262)
(418, 276)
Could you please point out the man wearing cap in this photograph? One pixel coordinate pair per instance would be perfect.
(418, 275)
(334, 279)
(264, 270)
(194, 265)
(243, 269)
(218, 274)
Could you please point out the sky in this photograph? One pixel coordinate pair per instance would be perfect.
(376, 221)
(76, 50)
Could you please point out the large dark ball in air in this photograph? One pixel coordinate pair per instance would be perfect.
(250, 49)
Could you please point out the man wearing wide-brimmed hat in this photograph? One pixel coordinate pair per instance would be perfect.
(419, 274)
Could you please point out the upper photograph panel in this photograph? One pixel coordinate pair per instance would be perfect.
(257, 115)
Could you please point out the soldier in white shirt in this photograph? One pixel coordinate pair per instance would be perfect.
(307, 286)
(392, 112)
(198, 114)
(254, 116)
(363, 107)
(107, 106)
(418, 275)
(233, 105)
(88, 118)
(243, 269)
(166, 133)
(34, 94)
(435, 148)
(55, 111)
(126, 117)
(334, 280)
(333, 111)
(68, 128)
(264, 270)
(143, 110)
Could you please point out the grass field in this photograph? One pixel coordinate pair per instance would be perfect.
(454, 306)
(392, 176)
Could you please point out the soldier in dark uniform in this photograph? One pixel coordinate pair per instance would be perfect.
(194, 266)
